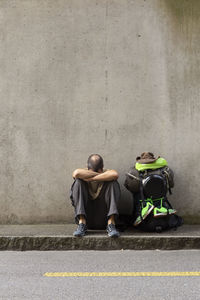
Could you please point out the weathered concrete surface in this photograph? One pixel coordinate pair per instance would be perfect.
(107, 76)
(59, 237)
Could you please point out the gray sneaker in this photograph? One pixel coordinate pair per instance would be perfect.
(81, 230)
(112, 231)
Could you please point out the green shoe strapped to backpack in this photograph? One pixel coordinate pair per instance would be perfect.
(162, 211)
(146, 210)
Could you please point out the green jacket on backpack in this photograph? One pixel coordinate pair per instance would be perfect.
(159, 167)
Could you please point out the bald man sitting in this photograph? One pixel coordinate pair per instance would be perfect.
(95, 194)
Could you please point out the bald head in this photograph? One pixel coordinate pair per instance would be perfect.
(95, 163)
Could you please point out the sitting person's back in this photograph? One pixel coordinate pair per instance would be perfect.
(149, 181)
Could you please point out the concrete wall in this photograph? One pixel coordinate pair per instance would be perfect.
(112, 77)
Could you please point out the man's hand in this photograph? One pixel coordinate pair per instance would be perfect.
(84, 174)
(109, 175)
(89, 175)
(89, 179)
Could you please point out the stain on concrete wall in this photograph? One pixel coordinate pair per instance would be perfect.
(183, 68)
(110, 77)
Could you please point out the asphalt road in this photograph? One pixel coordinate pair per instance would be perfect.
(22, 275)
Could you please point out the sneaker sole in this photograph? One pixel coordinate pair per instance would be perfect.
(113, 236)
(164, 214)
(79, 235)
(150, 210)
(160, 215)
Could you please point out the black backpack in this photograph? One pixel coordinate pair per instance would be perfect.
(155, 186)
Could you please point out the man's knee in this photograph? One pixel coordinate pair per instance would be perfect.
(78, 183)
(78, 187)
(113, 182)
(113, 190)
(115, 185)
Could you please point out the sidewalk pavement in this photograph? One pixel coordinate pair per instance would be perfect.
(60, 237)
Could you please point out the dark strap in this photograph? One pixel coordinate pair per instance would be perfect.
(141, 189)
(166, 200)
(141, 194)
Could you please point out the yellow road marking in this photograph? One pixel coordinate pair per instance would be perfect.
(120, 274)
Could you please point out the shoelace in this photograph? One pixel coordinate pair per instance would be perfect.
(82, 226)
(111, 227)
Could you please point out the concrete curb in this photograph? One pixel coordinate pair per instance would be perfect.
(59, 237)
(25, 243)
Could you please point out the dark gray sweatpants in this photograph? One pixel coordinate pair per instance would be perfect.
(96, 211)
